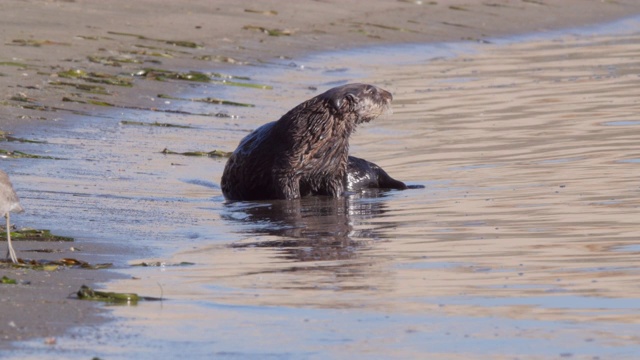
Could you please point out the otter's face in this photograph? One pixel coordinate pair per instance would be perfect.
(365, 102)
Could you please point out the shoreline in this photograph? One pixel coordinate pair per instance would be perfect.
(93, 36)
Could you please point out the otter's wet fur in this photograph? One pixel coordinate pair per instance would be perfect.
(306, 152)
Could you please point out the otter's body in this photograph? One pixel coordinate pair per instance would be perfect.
(306, 151)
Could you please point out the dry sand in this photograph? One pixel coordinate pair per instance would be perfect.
(41, 38)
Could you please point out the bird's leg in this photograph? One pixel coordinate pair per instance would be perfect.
(10, 252)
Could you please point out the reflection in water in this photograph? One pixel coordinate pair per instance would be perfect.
(311, 228)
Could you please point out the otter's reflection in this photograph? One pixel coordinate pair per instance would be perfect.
(312, 228)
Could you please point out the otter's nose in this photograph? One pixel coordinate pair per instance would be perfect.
(386, 95)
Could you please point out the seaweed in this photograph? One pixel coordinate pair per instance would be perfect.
(75, 263)
(270, 32)
(207, 100)
(161, 75)
(53, 265)
(73, 74)
(22, 98)
(89, 101)
(86, 37)
(182, 43)
(387, 27)
(6, 280)
(38, 107)
(9, 138)
(94, 77)
(494, 5)
(15, 63)
(218, 58)
(262, 12)
(213, 153)
(36, 43)
(87, 293)
(93, 89)
(165, 54)
(21, 155)
(128, 122)
(456, 24)
(227, 76)
(35, 235)
(108, 104)
(241, 84)
(167, 51)
(113, 60)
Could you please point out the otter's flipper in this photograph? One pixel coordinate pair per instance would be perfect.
(362, 174)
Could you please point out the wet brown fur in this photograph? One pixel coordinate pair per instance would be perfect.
(306, 151)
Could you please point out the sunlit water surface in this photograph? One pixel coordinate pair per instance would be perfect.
(524, 242)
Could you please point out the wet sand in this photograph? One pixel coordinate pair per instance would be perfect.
(41, 39)
(45, 38)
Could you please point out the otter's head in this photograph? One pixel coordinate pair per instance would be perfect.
(362, 101)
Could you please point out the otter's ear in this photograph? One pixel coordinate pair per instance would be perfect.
(350, 97)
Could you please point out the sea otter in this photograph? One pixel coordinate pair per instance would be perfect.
(306, 152)
(362, 174)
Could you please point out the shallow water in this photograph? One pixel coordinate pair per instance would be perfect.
(523, 244)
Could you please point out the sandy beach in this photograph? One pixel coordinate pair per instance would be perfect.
(45, 42)
(42, 39)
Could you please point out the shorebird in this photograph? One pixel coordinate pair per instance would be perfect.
(9, 202)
